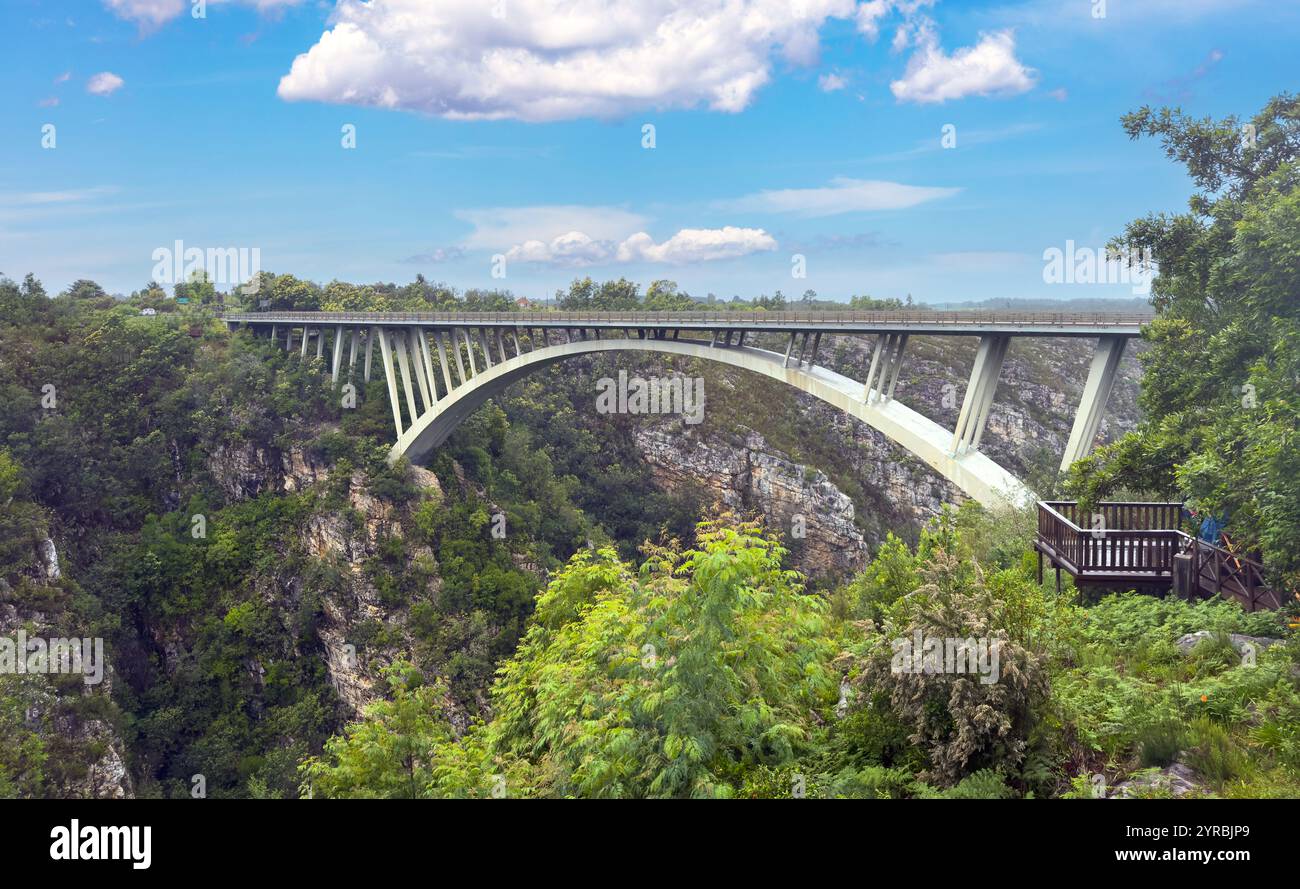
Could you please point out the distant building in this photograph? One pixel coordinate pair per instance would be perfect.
(523, 302)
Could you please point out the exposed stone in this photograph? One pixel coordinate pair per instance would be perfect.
(1176, 780)
(1239, 641)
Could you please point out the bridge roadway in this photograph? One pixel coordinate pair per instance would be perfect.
(476, 355)
(1010, 323)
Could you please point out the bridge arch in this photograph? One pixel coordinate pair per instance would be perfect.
(973, 472)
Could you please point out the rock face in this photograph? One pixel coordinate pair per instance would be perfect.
(52, 706)
(344, 538)
(815, 518)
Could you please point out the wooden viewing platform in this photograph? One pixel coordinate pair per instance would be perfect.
(1141, 544)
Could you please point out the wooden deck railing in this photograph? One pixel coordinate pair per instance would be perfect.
(1137, 542)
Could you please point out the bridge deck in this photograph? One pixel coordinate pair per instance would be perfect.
(1081, 324)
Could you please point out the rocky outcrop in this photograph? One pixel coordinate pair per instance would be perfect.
(91, 755)
(1240, 641)
(815, 518)
(243, 470)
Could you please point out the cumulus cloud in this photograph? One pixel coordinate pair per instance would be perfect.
(988, 68)
(551, 60)
(105, 83)
(690, 245)
(830, 82)
(843, 195)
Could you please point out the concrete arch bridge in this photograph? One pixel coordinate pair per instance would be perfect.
(442, 366)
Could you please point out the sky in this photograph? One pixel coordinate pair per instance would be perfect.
(936, 149)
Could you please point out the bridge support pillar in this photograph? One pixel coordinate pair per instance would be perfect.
(338, 353)
(320, 342)
(411, 336)
(469, 350)
(442, 359)
(979, 392)
(370, 347)
(352, 353)
(1092, 405)
(386, 356)
(399, 346)
(426, 356)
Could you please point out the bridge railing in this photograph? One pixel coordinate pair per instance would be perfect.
(718, 319)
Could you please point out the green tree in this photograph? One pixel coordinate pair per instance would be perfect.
(1221, 391)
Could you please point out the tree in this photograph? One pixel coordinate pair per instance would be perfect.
(1221, 391)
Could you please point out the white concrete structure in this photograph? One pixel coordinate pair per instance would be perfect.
(425, 412)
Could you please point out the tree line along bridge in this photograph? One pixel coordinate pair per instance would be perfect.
(439, 367)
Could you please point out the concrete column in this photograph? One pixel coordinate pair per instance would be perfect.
(788, 349)
(1096, 392)
(501, 348)
(273, 334)
(417, 363)
(352, 354)
(990, 386)
(338, 353)
(484, 341)
(469, 351)
(875, 362)
(898, 363)
(370, 343)
(400, 349)
(425, 354)
(979, 391)
(817, 343)
(442, 359)
(386, 357)
(320, 342)
(304, 341)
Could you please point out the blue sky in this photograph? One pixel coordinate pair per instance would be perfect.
(514, 128)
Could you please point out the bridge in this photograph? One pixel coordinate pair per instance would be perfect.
(441, 366)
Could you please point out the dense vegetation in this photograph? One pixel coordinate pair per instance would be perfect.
(233, 531)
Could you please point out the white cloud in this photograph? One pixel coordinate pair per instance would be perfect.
(51, 102)
(105, 83)
(841, 196)
(988, 68)
(146, 13)
(690, 245)
(497, 227)
(829, 83)
(153, 14)
(552, 60)
(64, 77)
